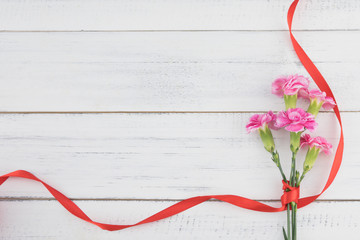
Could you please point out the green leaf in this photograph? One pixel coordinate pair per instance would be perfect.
(285, 237)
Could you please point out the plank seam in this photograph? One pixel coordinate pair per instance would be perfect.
(150, 200)
(151, 112)
(180, 30)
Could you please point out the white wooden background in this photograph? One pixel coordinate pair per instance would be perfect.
(129, 106)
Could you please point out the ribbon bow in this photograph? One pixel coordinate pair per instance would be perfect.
(291, 194)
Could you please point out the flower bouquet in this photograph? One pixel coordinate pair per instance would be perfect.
(296, 121)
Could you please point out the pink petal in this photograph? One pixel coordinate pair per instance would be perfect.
(277, 86)
(295, 127)
(303, 93)
(305, 140)
(329, 103)
(311, 125)
(282, 120)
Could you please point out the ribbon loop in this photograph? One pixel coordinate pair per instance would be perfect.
(291, 194)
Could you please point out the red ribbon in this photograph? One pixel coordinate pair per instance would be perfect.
(292, 195)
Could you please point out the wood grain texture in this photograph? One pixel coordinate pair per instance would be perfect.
(95, 15)
(167, 56)
(161, 156)
(177, 71)
(211, 220)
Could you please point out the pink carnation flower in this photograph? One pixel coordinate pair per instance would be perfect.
(317, 142)
(329, 103)
(289, 85)
(260, 121)
(295, 120)
(319, 96)
(312, 94)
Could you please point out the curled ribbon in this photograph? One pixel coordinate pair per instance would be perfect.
(292, 195)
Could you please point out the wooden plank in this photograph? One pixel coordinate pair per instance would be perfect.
(94, 15)
(178, 71)
(161, 156)
(211, 220)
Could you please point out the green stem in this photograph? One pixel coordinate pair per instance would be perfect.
(301, 178)
(293, 204)
(282, 172)
(276, 160)
(293, 169)
(295, 208)
(288, 221)
(294, 221)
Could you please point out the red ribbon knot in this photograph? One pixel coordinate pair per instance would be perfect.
(291, 194)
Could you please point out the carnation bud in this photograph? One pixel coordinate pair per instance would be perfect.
(297, 176)
(310, 158)
(267, 138)
(275, 157)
